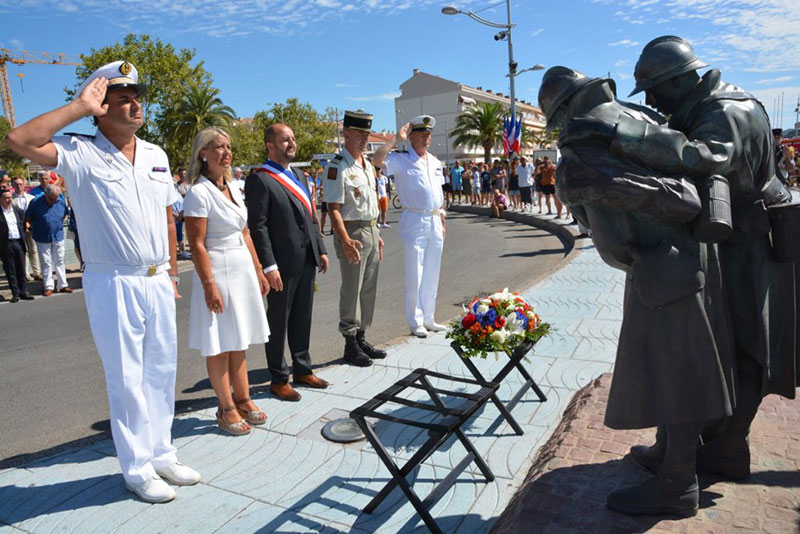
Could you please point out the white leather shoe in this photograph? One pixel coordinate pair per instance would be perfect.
(153, 490)
(179, 474)
(435, 327)
(419, 331)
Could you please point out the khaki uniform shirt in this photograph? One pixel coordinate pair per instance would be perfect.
(352, 187)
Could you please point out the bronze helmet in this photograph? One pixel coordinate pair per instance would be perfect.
(664, 58)
(559, 84)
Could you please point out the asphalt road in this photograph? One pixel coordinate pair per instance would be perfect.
(51, 379)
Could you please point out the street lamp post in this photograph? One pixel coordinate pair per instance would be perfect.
(505, 34)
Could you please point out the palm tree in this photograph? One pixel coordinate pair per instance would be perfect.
(200, 108)
(536, 138)
(480, 126)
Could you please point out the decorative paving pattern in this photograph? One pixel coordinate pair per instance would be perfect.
(284, 478)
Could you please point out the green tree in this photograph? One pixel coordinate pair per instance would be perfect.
(168, 73)
(312, 130)
(9, 160)
(200, 108)
(247, 139)
(480, 126)
(536, 138)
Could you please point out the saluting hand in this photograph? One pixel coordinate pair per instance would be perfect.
(93, 96)
(402, 133)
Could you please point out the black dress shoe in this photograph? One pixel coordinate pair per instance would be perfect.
(26, 296)
(368, 349)
(14, 299)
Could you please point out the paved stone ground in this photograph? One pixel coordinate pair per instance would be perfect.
(566, 487)
(285, 478)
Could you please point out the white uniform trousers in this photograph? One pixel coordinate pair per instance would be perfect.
(422, 258)
(133, 325)
(51, 256)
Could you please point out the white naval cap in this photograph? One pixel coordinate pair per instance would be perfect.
(120, 75)
(422, 123)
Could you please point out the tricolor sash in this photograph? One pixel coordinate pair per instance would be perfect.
(291, 185)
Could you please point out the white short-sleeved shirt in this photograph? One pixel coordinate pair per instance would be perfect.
(525, 175)
(382, 181)
(121, 208)
(225, 219)
(419, 182)
(352, 187)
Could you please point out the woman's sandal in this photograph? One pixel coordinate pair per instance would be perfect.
(239, 428)
(253, 417)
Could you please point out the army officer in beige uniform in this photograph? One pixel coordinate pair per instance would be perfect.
(350, 193)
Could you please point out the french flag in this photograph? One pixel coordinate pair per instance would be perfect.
(512, 134)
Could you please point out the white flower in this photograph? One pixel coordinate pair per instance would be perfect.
(484, 307)
(514, 324)
(499, 335)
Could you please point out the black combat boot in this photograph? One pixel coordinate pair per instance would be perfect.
(353, 353)
(368, 349)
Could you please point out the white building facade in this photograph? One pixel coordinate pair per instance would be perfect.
(445, 100)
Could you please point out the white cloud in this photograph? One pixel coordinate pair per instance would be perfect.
(779, 79)
(748, 35)
(536, 32)
(624, 42)
(375, 98)
(342, 84)
(217, 18)
(622, 63)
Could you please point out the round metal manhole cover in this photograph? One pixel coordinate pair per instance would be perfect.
(344, 430)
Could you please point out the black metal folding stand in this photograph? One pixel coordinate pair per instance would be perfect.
(514, 362)
(447, 422)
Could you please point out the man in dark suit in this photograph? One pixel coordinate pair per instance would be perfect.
(280, 216)
(12, 246)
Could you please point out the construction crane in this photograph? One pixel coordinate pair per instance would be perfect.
(21, 57)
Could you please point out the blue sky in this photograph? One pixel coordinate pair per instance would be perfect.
(355, 53)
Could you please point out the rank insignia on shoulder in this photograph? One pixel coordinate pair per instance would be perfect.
(73, 134)
(333, 172)
(160, 169)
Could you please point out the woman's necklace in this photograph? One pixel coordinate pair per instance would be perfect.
(222, 187)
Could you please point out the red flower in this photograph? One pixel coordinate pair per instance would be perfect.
(468, 320)
(500, 322)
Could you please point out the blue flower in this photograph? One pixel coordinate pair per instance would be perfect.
(523, 319)
(491, 315)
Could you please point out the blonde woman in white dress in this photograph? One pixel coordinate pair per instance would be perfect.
(227, 308)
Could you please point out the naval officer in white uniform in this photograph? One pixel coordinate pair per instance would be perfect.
(419, 178)
(121, 188)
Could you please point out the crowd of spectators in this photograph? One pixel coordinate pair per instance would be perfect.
(520, 185)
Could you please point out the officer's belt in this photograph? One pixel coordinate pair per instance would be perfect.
(231, 241)
(360, 224)
(129, 270)
(434, 211)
